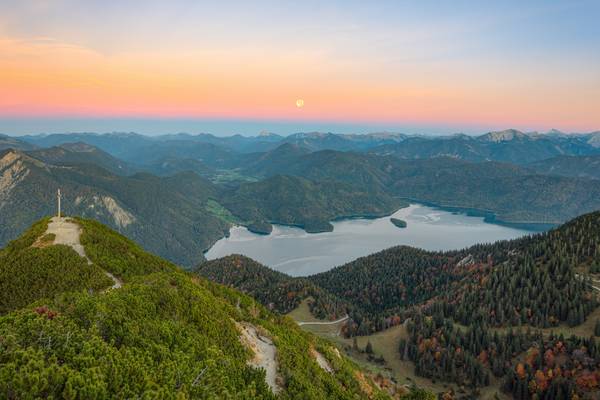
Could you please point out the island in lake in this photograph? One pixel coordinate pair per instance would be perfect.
(398, 222)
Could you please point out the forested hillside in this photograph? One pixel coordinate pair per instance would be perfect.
(177, 216)
(581, 167)
(277, 291)
(472, 315)
(29, 272)
(528, 363)
(533, 280)
(502, 192)
(308, 204)
(142, 206)
(82, 153)
(163, 334)
(540, 280)
(508, 193)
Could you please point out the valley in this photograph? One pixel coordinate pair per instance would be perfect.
(430, 276)
(207, 184)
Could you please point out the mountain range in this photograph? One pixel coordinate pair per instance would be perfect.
(177, 216)
(178, 194)
(509, 145)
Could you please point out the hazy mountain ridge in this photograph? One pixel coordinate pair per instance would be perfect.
(9, 142)
(497, 145)
(507, 146)
(78, 153)
(575, 166)
(506, 192)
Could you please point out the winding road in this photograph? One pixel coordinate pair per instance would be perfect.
(324, 323)
(596, 288)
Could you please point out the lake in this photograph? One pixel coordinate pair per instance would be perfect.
(293, 251)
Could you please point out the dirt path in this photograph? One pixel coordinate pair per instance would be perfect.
(264, 353)
(117, 282)
(68, 233)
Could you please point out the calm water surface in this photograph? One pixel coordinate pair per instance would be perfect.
(297, 253)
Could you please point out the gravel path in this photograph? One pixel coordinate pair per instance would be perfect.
(68, 233)
(264, 353)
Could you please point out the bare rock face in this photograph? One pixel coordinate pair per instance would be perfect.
(106, 205)
(12, 171)
(468, 260)
(321, 360)
(594, 140)
(504, 136)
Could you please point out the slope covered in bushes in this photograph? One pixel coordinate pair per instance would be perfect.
(164, 334)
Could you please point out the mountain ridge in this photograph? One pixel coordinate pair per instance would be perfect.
(164, 333)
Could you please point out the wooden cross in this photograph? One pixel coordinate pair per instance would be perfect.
(58, 196)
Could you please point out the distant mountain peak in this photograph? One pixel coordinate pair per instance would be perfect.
(263, 134)
(594, 140)
(503, 136)
(309, 135)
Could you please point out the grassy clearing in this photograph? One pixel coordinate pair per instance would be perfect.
(384, 343)
(216, 209)
(302, 312)
(231, 175)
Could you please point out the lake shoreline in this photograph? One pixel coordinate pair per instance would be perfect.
(488, 216)
(296, 252)
(340, 218)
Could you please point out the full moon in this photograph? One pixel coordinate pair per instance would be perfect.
(299, 103)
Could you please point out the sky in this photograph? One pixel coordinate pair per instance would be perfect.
(239, 67)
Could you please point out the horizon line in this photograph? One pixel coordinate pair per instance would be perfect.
(325, 132)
